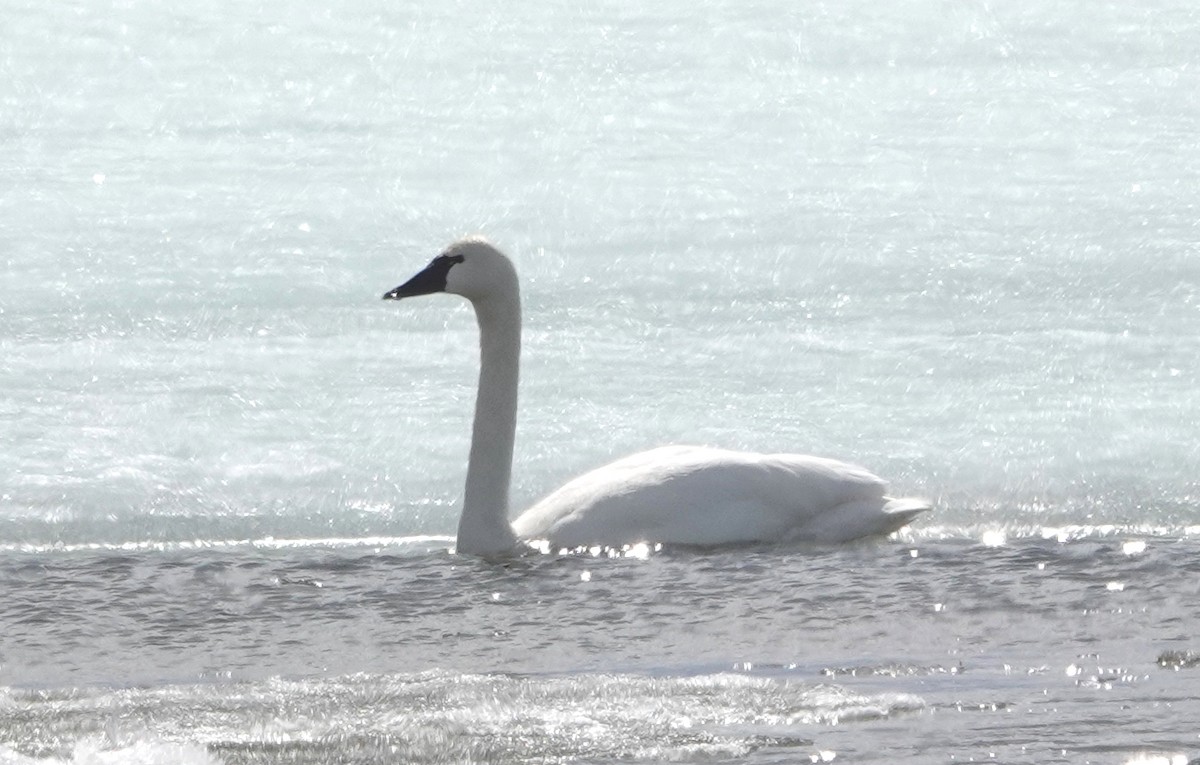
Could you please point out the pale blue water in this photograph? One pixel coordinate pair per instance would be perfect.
(956, 243)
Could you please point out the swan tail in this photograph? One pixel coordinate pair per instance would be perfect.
(862, 519)
(901, 512)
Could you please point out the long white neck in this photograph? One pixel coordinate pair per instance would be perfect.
(484, 528)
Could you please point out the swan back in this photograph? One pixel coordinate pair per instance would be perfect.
(702, 496)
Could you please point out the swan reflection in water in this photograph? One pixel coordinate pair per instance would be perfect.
(684, 495)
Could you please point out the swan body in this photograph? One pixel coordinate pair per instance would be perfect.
(688, 495)
(695, 495)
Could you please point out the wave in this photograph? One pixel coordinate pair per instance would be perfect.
(439, 716)
(101, 750)
(987, 534)
(1000, 534)
(416, 543)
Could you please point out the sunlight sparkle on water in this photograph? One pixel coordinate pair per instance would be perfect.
(994, 538)
(1158, 759)
(640, 551)
(1134, 547)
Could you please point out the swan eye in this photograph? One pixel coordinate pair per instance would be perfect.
(449, 260)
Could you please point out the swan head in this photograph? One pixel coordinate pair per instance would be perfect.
(470, 267)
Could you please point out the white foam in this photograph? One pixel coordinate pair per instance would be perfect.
(98, 750)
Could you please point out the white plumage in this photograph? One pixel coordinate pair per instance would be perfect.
(696, 495)
(688, 495)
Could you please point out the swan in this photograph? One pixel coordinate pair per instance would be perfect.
(684, 495)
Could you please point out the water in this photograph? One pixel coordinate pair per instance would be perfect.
(956, 243)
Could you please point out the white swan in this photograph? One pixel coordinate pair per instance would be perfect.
(685, 495)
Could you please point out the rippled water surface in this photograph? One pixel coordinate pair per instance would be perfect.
(955, 243)
(326, 654)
